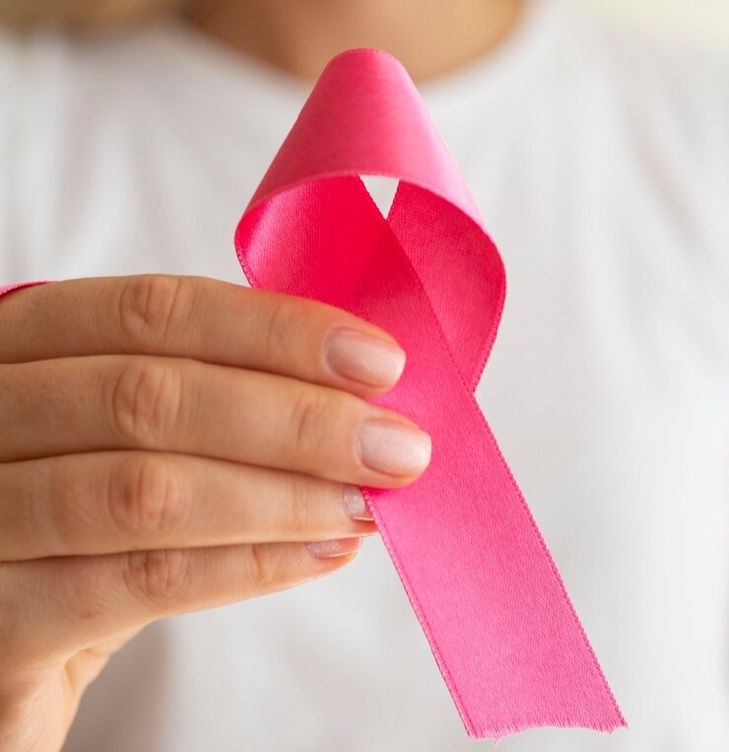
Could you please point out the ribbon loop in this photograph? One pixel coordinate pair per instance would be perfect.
(473, 563)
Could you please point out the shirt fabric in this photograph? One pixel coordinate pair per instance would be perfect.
(600, 161)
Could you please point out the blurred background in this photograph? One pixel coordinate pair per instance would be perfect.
(702, 21)
(705, 22)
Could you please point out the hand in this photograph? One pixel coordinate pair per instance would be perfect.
(171, 444)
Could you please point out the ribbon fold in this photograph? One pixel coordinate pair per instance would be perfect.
(473, 563)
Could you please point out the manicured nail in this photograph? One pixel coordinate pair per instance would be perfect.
(363, 357)
(331, 549)
(387, 446)
(355, 505)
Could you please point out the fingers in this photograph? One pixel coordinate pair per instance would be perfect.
(89, 404)
(203, 319)
(88, 599)
(112, 502)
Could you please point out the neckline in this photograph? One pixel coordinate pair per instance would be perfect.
(502, 70)
(492, 73)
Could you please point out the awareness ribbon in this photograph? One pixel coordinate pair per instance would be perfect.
(475, 567)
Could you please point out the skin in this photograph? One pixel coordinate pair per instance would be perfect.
(150, 465)
(430, 37)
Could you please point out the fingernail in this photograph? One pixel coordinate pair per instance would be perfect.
(355, 505)
(387, 446)
(331, 549)
(363, 357)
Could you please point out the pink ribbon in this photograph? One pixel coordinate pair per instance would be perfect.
(475, 567)
(19, 286)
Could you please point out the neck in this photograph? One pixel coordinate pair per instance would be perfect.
(430, 37)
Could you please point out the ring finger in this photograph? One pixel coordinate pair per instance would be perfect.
(109, 502)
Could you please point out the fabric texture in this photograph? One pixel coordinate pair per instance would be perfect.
(474, 565)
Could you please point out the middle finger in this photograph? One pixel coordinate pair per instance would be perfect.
(178, 405)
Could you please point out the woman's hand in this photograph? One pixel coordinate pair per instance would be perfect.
(169, 444)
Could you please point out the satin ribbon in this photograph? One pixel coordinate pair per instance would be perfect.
(20, 285)
(473, 563)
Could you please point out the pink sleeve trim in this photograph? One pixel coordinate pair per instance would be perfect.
(19, 285)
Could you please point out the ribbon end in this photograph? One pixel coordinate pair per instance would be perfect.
(607, 724)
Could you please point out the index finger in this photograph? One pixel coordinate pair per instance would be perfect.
(200, 318)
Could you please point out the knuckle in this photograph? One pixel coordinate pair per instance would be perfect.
(146, 499)
(150, 306)
(158, 578)
(146, 400)
(265, 574)
(279, 330)
(302, 517)
(309, 413)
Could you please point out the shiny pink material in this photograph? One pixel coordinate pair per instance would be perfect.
(475, 567)
(19, 286)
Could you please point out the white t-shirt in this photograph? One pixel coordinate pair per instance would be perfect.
(601, 164)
